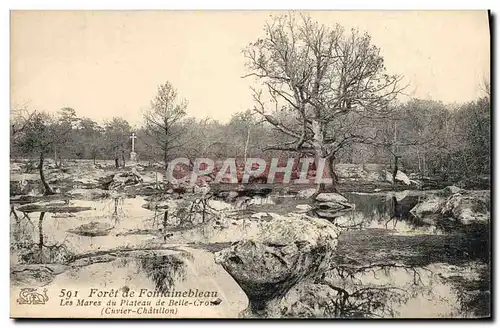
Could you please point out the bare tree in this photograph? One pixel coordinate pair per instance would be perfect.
(163, 117)
(329, 81)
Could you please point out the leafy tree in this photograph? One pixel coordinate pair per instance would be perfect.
(89, 136)
(117, 136)
(66, 121)
(38, 136)
(162, 119)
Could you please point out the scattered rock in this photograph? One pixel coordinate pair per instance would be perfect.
(218, 205)
(34, 275)
(63, 215)
(401, 177)
(121, 179)
(89, 194)
(260, 200)
(232, 195)
(306, 193)
(161, 205)
(330, 205)
(303, 207)
(15, 167)
(25, 184)
(259, 215)
(450, 190)
(331, 197)
(92, 229)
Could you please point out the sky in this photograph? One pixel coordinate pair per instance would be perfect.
(110, 63)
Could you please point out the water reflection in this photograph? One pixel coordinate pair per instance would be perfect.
(163, 270)
(381, 230)
(390, 211)
(458, 285)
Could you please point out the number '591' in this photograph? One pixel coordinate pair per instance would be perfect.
(67, 294)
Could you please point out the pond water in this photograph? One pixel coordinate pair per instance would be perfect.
(189, 261)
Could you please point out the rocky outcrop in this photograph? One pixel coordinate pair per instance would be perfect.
(307, 299)
(34, 274)
(284, 252)
(88, 194)
(429, 210)
(468, 208)
(332, 197)
(122, 179)
(25, 184)
(52, 207)
(462, 206)
(450, 190)
(306, 193)
(400, 177)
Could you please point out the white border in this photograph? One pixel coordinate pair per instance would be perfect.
(6, 5)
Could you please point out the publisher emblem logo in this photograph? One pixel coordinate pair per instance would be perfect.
(32, 297)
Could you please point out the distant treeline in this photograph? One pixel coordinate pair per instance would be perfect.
(448, 141)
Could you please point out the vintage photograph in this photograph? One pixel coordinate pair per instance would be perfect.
(250, 164)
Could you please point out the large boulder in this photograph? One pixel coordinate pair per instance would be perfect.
(429, 210)
(331, 197)
(330, 205)
(285, 251)
(400, 177)
(329, 210)
(463, 206)
(468, 208)
(351, 171)
(403, 178)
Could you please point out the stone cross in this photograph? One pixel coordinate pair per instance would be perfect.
(133, 137)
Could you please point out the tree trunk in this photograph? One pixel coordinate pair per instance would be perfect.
(55, 155)
(395, 169)
(46, 187)
(330, 168)
(165, 220)
(321, 153)
(40, 237)
(419, 165)
(165, 155)
(123, 159)
(246, 144)
(17, 230)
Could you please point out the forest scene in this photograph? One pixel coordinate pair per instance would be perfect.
(400, 228)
